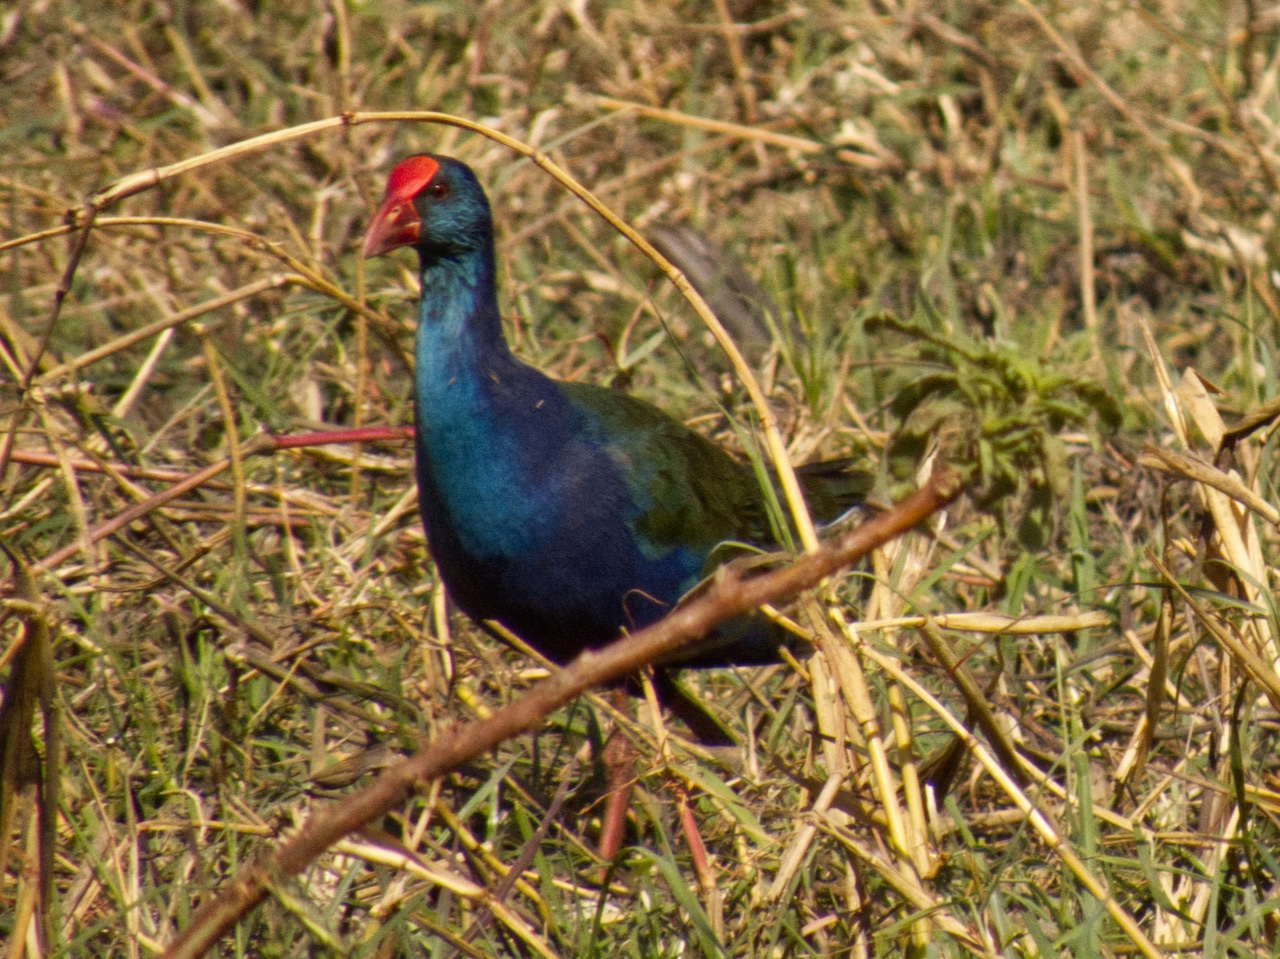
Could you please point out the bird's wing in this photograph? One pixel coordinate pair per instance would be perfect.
(688, 491)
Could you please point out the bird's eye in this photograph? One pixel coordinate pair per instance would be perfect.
(438, 191)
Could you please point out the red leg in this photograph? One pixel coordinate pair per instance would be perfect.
(619, 758)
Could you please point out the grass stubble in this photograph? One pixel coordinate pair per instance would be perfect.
(1034, 242)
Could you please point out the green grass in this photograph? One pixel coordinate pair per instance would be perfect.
(938, 276)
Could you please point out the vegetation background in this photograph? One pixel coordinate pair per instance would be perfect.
(1035, 238)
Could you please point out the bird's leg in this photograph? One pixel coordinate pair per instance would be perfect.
(711, 897)
(619, 758)
(709, 733)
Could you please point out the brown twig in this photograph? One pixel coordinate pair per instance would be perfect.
(78, 246)
(728, 595)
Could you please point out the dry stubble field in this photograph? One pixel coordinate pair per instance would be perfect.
(1033, 241)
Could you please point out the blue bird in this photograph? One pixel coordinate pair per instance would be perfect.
(567, 512)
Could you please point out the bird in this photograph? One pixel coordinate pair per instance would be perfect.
(570, 513)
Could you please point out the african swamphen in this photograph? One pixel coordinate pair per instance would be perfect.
(565, 511)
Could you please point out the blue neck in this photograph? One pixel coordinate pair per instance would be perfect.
(476, 406)
(459, 328)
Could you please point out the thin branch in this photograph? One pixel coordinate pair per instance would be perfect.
(78, 246)
(728, 595)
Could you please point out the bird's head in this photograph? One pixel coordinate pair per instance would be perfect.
(432, 203)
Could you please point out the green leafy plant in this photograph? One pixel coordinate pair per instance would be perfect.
(994, 411)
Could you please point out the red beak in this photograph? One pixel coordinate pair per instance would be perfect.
(393, 226)
(396, 223)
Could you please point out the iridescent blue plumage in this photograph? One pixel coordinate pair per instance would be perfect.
(567, 512)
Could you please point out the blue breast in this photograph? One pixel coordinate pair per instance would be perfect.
(530, 517)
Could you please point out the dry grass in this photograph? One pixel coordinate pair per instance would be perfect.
(1025, 191)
